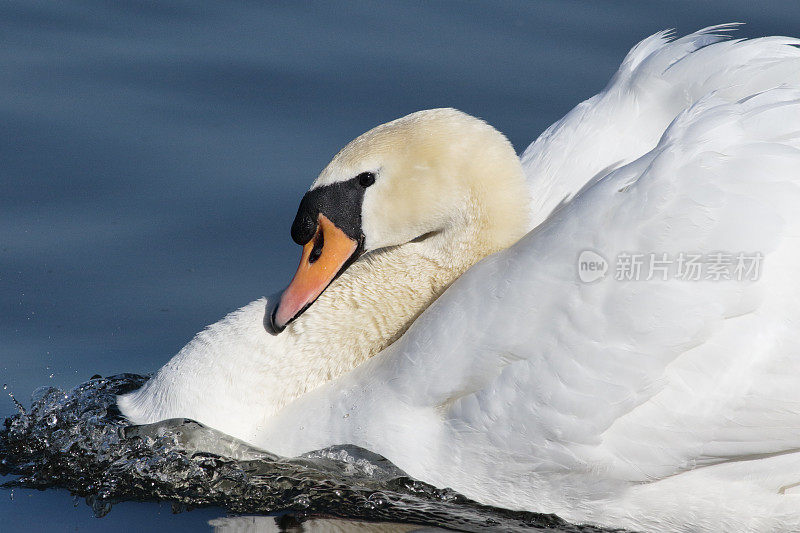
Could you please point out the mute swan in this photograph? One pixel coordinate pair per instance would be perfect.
(655, 403)
(438, 191)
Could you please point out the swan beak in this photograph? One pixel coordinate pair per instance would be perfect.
(327, 254)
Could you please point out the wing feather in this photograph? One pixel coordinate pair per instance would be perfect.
(645, 377)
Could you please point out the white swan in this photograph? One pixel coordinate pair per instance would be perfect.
(235, 375)
(658, 404)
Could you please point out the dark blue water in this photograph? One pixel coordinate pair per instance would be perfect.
(152, 156)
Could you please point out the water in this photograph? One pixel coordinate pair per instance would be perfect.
(77, 440)
(152, 156)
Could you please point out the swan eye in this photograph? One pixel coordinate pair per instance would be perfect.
(365, 179)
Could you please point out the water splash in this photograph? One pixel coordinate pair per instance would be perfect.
(18, 405)
(78, 440)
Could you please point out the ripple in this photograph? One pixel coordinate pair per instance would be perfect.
(78, 440)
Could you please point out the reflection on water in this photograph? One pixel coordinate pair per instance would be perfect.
(77, 440)
(288, 524)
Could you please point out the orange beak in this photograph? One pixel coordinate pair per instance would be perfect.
(323, 258)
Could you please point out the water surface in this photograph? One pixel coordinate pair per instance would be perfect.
(152, 156)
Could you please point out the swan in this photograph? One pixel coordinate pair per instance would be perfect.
(439, 318)
(415, 206)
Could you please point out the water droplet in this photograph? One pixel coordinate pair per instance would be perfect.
(100, 507)
(20, 408)
(378, 499)
(302, 501)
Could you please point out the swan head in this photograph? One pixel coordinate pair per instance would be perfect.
(438, 177)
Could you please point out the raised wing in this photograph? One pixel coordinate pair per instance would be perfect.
(657, 80)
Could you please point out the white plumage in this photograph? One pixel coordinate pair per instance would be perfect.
(651, 404)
